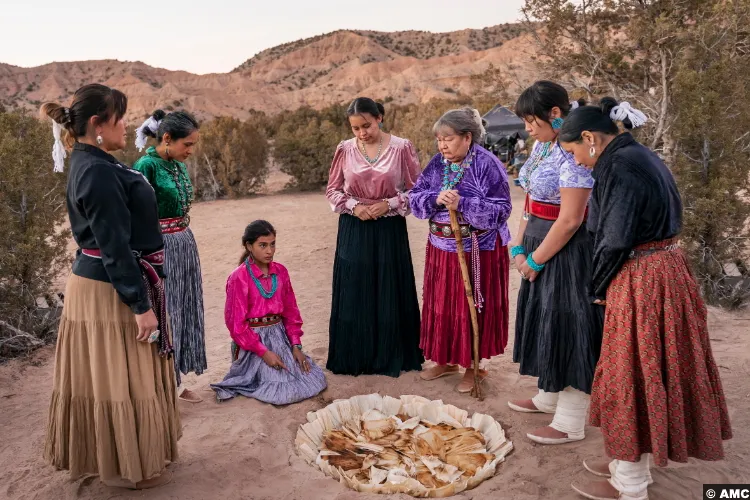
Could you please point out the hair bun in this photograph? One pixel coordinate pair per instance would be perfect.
(622, 112)
(149, 128)
(629, 116)
(607, 104)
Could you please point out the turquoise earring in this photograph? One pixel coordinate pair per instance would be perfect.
(557, 123)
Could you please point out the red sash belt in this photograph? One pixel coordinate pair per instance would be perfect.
(546, 211)
(444, 230)
(174, 225)
(155, 289)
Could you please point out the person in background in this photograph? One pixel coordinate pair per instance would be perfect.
(558, 328)
(163, 165)
(265, 324)
(113, 411)
(374, 325)
(657, 393)
(466, 178)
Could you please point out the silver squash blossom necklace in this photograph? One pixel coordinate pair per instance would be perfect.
(364, 151)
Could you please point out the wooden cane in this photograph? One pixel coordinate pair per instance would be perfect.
(476, 391)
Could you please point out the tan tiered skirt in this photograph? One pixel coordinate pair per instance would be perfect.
(113, 410)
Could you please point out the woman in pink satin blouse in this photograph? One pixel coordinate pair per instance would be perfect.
(374, 325)
(265, 324)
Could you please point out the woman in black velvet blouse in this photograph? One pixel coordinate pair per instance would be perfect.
(113, 411)
(657, 395)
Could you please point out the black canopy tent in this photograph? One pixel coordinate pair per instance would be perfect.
(504, 129)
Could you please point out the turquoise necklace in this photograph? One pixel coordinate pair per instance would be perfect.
(456, 169)
(259, 285)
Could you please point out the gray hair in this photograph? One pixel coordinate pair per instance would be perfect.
(462, 121)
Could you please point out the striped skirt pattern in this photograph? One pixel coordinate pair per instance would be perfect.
(251, 377)
(184, 290)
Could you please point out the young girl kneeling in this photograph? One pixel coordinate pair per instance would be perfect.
(264, 322)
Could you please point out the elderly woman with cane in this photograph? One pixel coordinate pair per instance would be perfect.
(469, 182)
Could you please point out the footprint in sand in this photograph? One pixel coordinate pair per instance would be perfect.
(319, 353)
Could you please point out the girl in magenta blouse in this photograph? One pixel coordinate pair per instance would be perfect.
(265, 324)
(374, 326)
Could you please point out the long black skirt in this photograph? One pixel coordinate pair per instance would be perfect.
(374, 326)
(558, 328)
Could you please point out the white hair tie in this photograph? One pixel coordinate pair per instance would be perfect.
(140, 136)
(58, 149)
(624, 110)
(574, 105)
(478, 118)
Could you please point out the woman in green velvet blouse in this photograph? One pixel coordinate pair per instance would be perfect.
(176, 135)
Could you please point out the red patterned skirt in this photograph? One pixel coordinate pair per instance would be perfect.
(656, 387)
(446, 336)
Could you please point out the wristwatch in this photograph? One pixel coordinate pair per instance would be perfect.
(298, 346)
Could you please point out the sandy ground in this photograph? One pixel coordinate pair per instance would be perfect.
(244, 449)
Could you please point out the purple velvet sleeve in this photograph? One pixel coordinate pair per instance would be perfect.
(423, 196)
(485, 202)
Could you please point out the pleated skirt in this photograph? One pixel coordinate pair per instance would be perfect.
(657, 387)
(558, 328)
(113, 410)
(374, 324)
(447, 337)
(183, 288)
(251, 377)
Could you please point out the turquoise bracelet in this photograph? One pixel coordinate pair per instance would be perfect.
(516, 251)
(533, 265)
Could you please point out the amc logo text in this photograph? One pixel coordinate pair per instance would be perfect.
(718, 492)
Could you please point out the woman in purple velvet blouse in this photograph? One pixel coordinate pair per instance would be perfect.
(467, 178)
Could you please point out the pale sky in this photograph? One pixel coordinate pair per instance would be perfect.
(213, 36)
